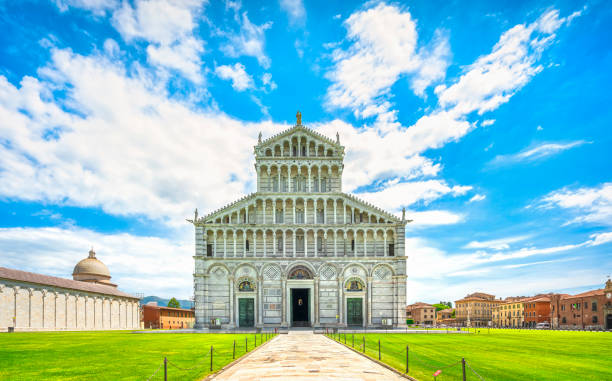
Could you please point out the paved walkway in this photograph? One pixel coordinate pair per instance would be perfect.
(306, 356)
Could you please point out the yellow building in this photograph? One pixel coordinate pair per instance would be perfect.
(509, 313)
(475, 310)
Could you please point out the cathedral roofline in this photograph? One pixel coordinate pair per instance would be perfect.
(391, 216)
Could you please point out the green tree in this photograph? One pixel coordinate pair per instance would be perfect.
(174, 303)
(440, 306)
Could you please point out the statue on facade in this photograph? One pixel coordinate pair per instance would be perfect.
(259, 139)
(299, 118)
(337, 138)
(403, 214)
(195, 217)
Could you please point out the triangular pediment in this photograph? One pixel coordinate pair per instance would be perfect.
(297, 130)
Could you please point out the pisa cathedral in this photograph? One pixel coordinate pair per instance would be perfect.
(299, 252)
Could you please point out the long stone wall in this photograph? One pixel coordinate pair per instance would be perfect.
(29, 307)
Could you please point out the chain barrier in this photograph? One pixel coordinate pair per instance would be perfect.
(473, 371)
(414, 356)
(157, 370)
(196, 366)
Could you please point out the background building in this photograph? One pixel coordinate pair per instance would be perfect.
(588, 310)
(475, 310)
(36, 302)
(537, 310)
(421, 313)
(509, 313)
(299, 251)
(446, 317)
(158, 317)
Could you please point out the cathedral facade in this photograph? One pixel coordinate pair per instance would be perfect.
(299, 251)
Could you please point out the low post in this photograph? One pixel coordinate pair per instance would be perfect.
(353, 340)
(211, 358)
(463, 367)
(246, 344)
(255, 336)
(378, 349)
(344, 338)
(363, 344)
(234, 352)
(407, 359)
(165, 369)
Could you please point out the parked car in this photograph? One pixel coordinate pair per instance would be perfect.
(544, 325)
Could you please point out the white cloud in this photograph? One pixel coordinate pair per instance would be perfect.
(384, 47)
(150, 265)
(397, 195)
(488, 122)
(168, 28)
(494, 78)
(588, 204)
(239, 77)
(534, 153)
(98, 7)
(248, 41)
(295, 10)
(496, 244)
(477, 197)
(268, 83)
(539, 128)
(600, 238)
(130, 152)
(432, 218)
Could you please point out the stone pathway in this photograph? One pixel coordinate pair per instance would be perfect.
(306, 356)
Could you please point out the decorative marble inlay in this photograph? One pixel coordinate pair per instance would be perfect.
(327, 273)
(272, 273)
(382, 273)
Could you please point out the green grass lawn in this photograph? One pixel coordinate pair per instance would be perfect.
(498, 355)
(112, 355)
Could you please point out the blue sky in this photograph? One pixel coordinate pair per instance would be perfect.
(488, 121)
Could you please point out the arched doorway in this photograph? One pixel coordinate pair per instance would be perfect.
(609, 321)
(300, 296)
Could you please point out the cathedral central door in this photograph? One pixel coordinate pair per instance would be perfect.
(246, 312)
(300, 311)
(354, 311)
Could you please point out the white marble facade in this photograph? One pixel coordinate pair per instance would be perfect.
(299, 246)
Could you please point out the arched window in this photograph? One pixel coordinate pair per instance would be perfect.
(563, 320)
(245, 286)
(324, 184)
(303, 150)
(594, 319)
(279, 244)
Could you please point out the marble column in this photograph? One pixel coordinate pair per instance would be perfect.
(231, 301)
(385, 244)
(30, 292)
(335, 211)
(15, 293)
(284, 301)
(365, 243)
(369, 279)
(255, 243)
(234, 238)
(43, 296)
(224, 243)
(274, 247)
(317, 307)
(259, 300)
(341, 300)
(284, 243)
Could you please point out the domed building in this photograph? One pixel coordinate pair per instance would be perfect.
(89, 301)
(92, 270)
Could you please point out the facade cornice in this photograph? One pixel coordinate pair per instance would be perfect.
(359, 226)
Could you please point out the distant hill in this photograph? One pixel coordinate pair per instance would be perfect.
(164, 302)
